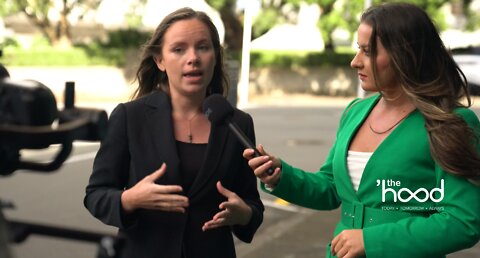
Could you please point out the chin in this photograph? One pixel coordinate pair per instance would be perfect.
(367, 87)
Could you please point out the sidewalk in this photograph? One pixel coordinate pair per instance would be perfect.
(291, 100)
(102, 85)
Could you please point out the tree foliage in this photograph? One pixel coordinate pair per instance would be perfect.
(473, 21)
(39, 14)
(344, 14)
(273, 12)
(340, 14)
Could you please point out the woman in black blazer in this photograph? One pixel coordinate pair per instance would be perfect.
(173, 183)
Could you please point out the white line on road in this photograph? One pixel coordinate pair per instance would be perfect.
(81, 157)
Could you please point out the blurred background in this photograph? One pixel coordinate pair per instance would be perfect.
(288, 62)
(273, 47)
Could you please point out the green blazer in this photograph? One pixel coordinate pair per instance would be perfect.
(406, 204)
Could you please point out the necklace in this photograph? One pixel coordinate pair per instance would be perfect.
(388, 129)
(190, 136)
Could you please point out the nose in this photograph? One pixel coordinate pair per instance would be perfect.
(193, 57)
(356, 63)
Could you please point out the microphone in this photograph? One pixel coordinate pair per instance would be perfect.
(218, 110)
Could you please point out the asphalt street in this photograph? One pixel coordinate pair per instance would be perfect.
(300, 135)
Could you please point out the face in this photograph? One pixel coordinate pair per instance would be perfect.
(188, 57)
(386, 76)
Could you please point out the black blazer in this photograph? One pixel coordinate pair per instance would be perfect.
(140, 138)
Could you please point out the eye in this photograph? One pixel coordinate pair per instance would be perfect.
(366, 51)
(177, 50)
(204, 47)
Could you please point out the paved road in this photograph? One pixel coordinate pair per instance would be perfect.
(302, 135)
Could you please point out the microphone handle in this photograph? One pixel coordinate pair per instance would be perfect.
(246, 142)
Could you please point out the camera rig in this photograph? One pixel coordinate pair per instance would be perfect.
(29, 119)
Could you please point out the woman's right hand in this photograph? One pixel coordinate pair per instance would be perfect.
(261, 164)
(147, 194)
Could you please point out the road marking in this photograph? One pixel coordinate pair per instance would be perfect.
(272, 232)
(287, 207)
(81, 157)
(281, 202)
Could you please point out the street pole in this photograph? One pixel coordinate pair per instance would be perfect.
(244, 81)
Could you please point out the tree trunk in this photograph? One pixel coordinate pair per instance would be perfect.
(329, 46)
(233, 28)
(43, 24)
(63, 37)
(58, 34)
(327, 35)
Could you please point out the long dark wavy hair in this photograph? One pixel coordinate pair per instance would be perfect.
(430, 78)
(150, 78)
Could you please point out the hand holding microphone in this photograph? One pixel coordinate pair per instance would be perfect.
(218, 110)
(261, 165)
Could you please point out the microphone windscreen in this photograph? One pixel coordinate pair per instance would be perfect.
(217, 108)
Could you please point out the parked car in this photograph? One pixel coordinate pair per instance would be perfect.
(468, 59)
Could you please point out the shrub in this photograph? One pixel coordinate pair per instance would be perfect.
(305, 59)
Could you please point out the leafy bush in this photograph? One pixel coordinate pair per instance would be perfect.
(9, 42)
(111, 53)
(126, 38)
(306, 59)
(55, 57)
(114, 53)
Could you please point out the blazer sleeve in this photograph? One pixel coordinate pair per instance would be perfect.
(455, 225)
(110, 174)
(312, 190)
(248, 191)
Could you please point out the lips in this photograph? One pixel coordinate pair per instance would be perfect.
(193, 74)
(362, 76)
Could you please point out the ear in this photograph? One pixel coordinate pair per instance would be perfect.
(159, 63)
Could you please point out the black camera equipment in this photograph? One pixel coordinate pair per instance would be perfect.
(29, 119)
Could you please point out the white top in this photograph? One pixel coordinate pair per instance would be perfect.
(356, 162)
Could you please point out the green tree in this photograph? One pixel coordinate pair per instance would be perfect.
(344, 14)
(332, 18)
(56, 32)
(473, 18)
(273, 13)
(277, 12)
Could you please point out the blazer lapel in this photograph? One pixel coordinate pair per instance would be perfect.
(342, 177)
(207, 173)
(159, 122)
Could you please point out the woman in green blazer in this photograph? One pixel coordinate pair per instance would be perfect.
(404, 166)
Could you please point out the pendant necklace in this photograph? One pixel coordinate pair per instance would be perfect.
(190, 136)
(388, 129)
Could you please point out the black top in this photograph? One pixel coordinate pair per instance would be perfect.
(191, 157)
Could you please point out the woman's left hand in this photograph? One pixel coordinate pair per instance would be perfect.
(348, 244)
(233, 211)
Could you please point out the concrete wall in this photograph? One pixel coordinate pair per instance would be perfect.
(329, 81)
(111, 84)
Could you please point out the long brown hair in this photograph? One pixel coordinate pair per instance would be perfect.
(431, 79)
(150, 78)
